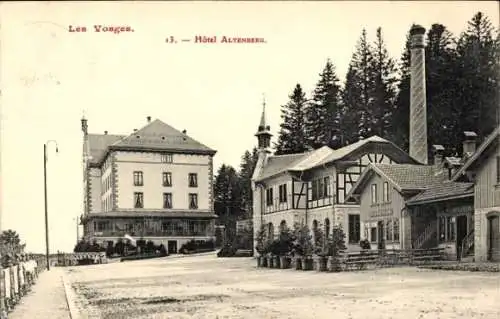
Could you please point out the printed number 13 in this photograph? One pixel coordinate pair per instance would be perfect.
(170, 39)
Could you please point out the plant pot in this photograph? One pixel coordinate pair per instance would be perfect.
(277, 261)
(263, 261)
(297, 263)
(320, 263)
(334, 264)
(270, 261)
(307, 263)
(284, 262)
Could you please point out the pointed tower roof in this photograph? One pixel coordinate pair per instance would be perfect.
(263, 127)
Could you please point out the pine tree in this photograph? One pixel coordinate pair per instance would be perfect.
(228, 201)
(358, 90)
(384, 89)
(291, 137)
(441, 66)
(324, 110)
(401, 118)
(247, 167)
(477, 50)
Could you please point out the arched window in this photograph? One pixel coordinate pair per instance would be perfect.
(327, 227)
(315, 224)
(282, 225)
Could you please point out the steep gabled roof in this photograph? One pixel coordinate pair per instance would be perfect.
(444, 191)
(279, 163)
(322, 156)
(155, 136)
(491, 141)
(404, 177)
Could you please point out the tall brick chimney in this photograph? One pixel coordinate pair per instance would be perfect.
(418, 105)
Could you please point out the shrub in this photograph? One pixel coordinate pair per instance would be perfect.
(336, 244)
(302, 240)
(261, 240)
(365, 244)
(197, 245)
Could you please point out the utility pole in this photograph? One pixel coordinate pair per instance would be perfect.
(46, 206)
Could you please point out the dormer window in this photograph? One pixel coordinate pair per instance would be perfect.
(166, 158)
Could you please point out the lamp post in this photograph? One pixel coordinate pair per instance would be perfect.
(45, 192)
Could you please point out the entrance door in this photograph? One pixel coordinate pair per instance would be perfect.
(381, 239)
(494, 238)
(461, 234)
(172, 246)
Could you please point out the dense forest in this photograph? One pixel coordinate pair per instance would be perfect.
(462, 78)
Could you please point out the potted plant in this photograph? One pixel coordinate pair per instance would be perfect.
(336, 247)
(320, 250)
(260, 247)
(285, 247)
(303, 247)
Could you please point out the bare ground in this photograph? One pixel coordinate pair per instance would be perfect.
(211, 287)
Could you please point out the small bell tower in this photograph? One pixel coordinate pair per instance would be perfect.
(264, 132)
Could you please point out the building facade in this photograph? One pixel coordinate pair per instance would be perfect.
(415, 207)
(483, 168)
(154, 184)
(311, 188)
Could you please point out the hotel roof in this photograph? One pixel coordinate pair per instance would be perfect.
(155, 136)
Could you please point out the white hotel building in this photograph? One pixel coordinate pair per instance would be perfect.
(154, 184)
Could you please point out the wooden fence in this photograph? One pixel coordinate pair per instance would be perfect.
(81, 258)
(17, 279)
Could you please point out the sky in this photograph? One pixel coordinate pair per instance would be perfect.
(50, 77)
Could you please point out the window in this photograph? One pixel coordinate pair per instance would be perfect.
(442, 229)
(388, 230)
(269, 197)
(282, 193)
(320, 188)
(354, 229)
(166, 158)
(139, 200)
(386, 192)
(374, 193)
(193, 180)
(450, 228)
(373, 234)
(326, 184)
(167, 200)
(138, 179)
(193, 201)
(498, 169)
(167, 179)
(395, 223)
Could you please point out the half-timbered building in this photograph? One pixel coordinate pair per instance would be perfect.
(155, 183)
(312, 187)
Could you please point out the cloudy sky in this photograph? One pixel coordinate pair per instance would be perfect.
(50, 76)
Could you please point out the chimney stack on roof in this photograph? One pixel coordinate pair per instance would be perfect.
(469, 144)
(418, 106)
(149, 119)
(105, 132)
(135, 130)
(184, 131)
